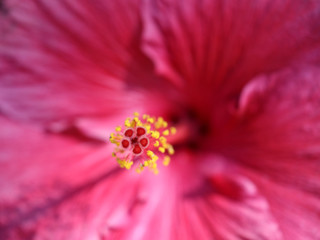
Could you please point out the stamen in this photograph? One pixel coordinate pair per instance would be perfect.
(162, 149)
(166, 160)
(156, 144)
(166, 132)
(141, 141)
(173, 130)
(155, 134)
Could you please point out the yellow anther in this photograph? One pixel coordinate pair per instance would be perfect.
(155, 134)
(114, 142)
(164, 124)
(136, 114)
(113, 154)
(156, 144)
(173, 130)
(133, 123)
(140, 168)
(118, 129)
(128, 165)
(163, 139)
(162, 149)
(153, 165)
(159, 122)
(147, 127)
(155, 158)
(127, 122)
(150, 120)
(166, 160)
(165, 132)
(170, 149)
(150, 153)
(114, 139)
(145, 116)
(120, 162)
(124, 163)
(136, 122)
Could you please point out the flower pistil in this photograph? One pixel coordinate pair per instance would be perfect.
(142, 140)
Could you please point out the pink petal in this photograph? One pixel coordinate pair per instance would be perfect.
(212, 48)
(296, 212)
(181, 203)
(276, 138)
(55, 188)
(64, 59)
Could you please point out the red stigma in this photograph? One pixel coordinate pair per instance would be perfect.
(141, 142)
(144, 142)
(129, 132)
(137, 149)
(125, 143)
(140, 131)
(137, 138)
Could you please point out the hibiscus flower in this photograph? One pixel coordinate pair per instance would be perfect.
(238, 80)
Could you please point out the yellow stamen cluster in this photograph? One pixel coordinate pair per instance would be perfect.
(115, 138)
(151, 163)
(156, 131)
(124, 163)
(166, 160)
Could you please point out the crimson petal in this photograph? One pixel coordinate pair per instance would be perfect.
(60, 60)
(213, 48)
(276, 139)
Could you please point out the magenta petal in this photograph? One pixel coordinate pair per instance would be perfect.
(277, 139)
(240, 79)
(249, 218)
(54, 188)
(296, 212)
(281, 131)
(178, 207)
(215, 47)
(65, 59)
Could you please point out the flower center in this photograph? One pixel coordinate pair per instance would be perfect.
(194, 130)
(134, 140)
(142, 140)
